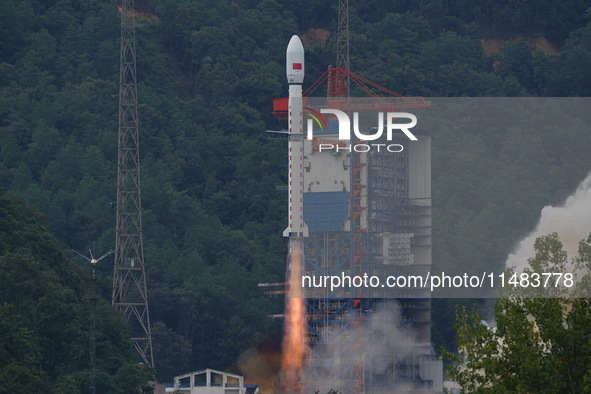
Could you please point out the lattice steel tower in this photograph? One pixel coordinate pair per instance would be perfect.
(343, 35)
(339, 84)
(129, 279)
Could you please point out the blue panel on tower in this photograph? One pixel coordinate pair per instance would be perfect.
(325, 211)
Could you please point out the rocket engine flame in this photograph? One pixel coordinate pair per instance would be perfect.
(294, 347)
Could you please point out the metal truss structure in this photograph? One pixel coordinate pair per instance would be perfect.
(129, 278)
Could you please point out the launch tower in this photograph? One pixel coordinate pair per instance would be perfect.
(366, 212)
(129, 277)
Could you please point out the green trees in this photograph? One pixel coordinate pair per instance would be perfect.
(539, 345)
(44, 313)
(208, 71)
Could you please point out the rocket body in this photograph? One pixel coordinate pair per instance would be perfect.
(295, 78)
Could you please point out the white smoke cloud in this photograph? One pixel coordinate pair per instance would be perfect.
(384, 340)
(571, 221)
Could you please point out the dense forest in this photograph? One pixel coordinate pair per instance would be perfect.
(213, 215)
(44, 316)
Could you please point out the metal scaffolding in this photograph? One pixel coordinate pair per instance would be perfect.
(129, 278)
(387, 231)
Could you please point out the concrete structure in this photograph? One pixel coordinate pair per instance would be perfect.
(210, 381)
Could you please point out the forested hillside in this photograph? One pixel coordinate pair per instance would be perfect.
(208, 71)
(44, 316)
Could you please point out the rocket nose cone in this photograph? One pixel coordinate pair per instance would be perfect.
(294, 60)
(295, 45)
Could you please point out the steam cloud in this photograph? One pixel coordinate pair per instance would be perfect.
(384, 339)
(571, 221)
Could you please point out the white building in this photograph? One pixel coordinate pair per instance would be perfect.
(210, 381)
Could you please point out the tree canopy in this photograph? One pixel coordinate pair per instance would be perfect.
(44, 315)
(539, 345)
(213, 214)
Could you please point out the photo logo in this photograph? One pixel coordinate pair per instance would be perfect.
(390, 121)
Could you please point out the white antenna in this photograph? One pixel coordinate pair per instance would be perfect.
(92, 260)
(93, 299)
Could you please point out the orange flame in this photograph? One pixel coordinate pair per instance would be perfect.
(294, 348)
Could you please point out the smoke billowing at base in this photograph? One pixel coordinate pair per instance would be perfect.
(387, 349)
(571, 221)
(261, 365)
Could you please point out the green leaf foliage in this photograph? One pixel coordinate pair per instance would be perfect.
(537, 345)
(212, 214)
(44, 313)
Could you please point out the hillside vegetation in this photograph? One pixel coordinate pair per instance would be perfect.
(44, 316)
(213, 216)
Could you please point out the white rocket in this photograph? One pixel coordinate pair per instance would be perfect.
(295, 78)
